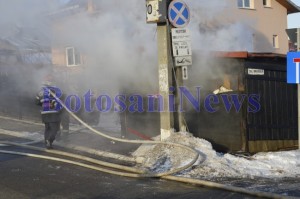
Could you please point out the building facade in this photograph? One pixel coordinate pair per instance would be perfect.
(266, 23)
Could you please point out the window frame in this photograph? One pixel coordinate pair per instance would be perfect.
(268, 3)
(76, 56)
(275, 41)
(251, 4)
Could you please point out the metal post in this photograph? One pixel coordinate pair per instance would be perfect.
(298, 49)
(298, 115)
(179, 114)
(298, 39)
(165, 78)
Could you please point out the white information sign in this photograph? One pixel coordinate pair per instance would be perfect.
(182, 48)
(180, 34)
(181, 44)
(185, 74)
(183, 61)
(252, 71)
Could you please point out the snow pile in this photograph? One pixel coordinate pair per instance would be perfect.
(211, 164)
(32, 136)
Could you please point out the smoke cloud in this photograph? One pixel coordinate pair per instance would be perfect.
(117, 42)
(119, 49)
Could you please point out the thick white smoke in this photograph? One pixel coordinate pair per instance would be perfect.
(214, 28)
(119, 46)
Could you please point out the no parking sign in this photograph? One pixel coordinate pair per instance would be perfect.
(179, 14)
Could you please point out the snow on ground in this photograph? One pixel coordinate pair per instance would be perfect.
(212, 164)
(33, 136)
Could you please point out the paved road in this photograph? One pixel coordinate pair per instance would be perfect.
(23, 177)
(33, 178)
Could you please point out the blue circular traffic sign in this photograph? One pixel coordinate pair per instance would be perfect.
(179, 14)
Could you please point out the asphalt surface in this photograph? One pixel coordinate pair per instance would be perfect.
(24, 177)
(33, 178)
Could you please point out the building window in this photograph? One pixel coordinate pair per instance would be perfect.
(275, 41)
(246, 4)
(73, 56)
(267, 3)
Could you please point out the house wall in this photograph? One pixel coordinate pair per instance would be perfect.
(67, 32)
(59, 44)
(265, 22)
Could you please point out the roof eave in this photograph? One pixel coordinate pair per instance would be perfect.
(290, 6)
(246, 55)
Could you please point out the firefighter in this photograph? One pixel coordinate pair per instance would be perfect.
(50, 112)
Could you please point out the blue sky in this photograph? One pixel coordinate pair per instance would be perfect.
(294, 19)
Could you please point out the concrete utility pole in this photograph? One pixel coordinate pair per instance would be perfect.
(157, 14)
(165, 77)
(177, 13)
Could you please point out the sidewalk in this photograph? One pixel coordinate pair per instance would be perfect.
(79, 135)
(13, 124)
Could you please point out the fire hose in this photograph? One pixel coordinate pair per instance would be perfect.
(177, 170)
(129, 171)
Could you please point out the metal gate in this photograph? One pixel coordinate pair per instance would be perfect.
(275, 125)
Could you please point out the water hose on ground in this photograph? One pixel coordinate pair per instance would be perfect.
(72, 162)
(137, 175)
(2, 144)
(177, 170)
(105, 154)
(138, 172)
(80, 157)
